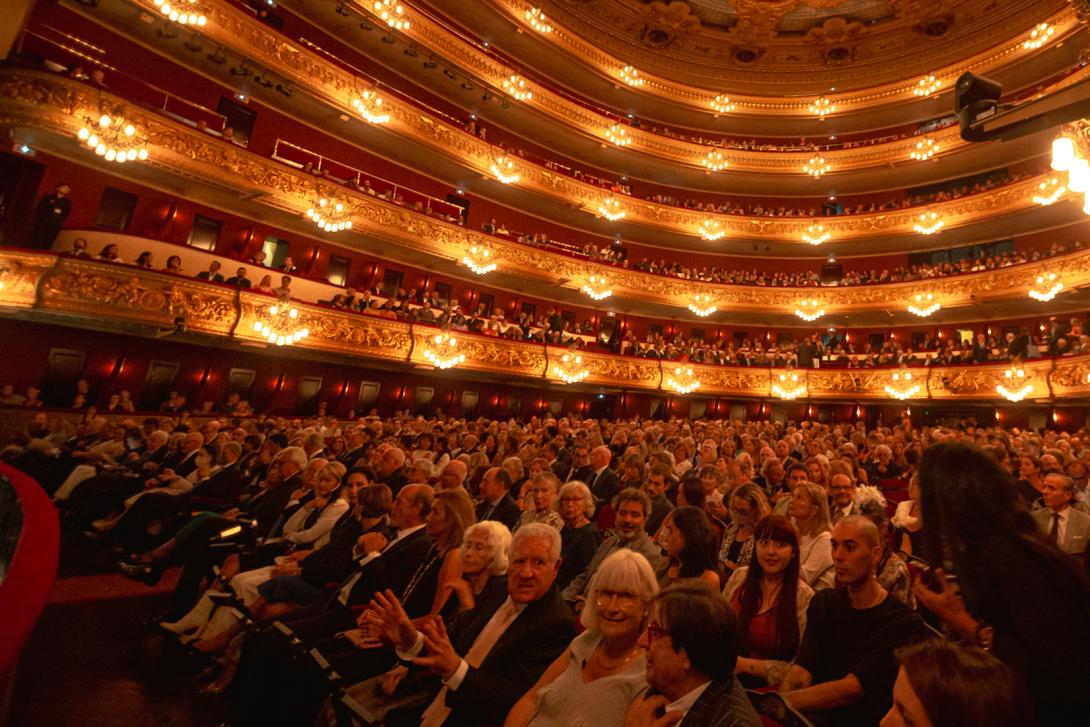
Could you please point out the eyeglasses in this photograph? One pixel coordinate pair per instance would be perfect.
(623, 599)
(654, 631)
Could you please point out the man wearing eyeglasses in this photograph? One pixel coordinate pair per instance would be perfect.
(692, 645)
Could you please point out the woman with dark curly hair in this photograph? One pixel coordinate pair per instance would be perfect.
(1020, 596)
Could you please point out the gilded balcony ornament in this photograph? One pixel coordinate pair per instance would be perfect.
(715, 161)
(722, 104)
(1016, 388)
(183, 12)
(928, 223)
(923, 305)
(703, 305)
(1040, 35)
(505, 170)
(479, 259)
(442, 351)
(536, 19)
(711, 229)
(682, 380)
(1048, 285)
(113, 137)
(515, 87)
(631, 76)
(1049, 192)
(925, 149)
(392, 13)
(611, 208)
(816, 234)
(368, 105)
(788, 386)
(597, 287)
(570, 368)
(279, 324)
(816, 166)
(901, 386)
(617, 134)
(331, 214)
(822, 107)
(809, 310)
(927, 85)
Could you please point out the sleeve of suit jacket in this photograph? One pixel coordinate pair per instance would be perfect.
(487, 694)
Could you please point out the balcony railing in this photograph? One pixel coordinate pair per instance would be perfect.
(54, 104)
(88, 293)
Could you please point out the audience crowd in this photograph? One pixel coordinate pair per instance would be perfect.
(574, 571)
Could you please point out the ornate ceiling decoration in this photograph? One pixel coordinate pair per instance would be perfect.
(767, 44)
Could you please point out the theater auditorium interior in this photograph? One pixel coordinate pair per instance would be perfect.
(721, 363)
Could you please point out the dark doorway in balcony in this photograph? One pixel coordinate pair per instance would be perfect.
(601, 406)
(19, 180)
(239, 118)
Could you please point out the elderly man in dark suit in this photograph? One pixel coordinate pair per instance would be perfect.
(692, 645)
(490, 661)
(496, 501)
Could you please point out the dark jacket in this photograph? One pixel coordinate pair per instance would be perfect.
(506, 511)
(723, 704)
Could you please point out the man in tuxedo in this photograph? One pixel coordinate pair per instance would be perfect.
(355, 438)
(240, 279)
(1065, 526)
(496, 501)
(489, 661)
(692, 645)
(389, 470)
(842, 490)
(655, 487)
(49, 217)
(604, 484)
(212, 273)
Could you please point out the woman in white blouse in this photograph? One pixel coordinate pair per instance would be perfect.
(809, 510)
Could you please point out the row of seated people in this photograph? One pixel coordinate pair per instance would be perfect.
(757, 209)
(698, 557)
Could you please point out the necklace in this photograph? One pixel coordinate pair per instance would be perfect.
(606, 667)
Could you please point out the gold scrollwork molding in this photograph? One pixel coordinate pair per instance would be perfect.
(90, 293)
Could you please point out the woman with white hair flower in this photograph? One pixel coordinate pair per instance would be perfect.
(602, 671)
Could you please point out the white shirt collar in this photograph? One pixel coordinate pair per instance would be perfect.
(686, 703)
(406, 532)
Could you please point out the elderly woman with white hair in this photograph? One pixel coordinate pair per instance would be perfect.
(579, 537)
(595, 680)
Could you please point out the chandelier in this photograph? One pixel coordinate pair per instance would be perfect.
(618, 135)
(392, 13)
(809, 310)
(702, 305)
(331, 214)
(515, 87)
(505, 171)
(183, 12)
(816, 167)
(1039, 36)
(923, 305)
(597, 287)
(925, 149)
(442, 351)
(1015, 377)
(537, 20)
(682, 381)
(722, 104)
(611, 209)
(714, 161)
(113, 138)
(927, 86)
(1049, 192)
(928, 223)
(368, 105)
(479, 260)
(909, 389)
(570, 369)
(789, 386)
(822, 107)
(815, 234)
(631, 76)
(1063, 153)
(280, 325)
(711, 229)
(1041, 292)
